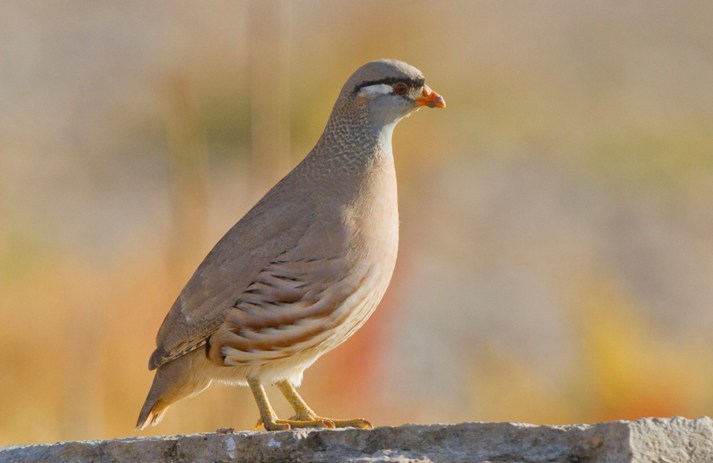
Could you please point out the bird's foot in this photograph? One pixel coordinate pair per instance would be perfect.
(336, 423)
(284, 425)
(312, 422)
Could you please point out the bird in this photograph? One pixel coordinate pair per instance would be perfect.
(303, 269)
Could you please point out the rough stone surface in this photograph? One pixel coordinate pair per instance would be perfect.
(675, 440)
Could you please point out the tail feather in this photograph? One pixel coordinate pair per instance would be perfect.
(173, 381)
(152, 413)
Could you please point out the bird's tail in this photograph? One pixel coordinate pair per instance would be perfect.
(173, 381)
(151, 413)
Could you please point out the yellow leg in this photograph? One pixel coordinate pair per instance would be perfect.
(304, 414)
(268, 418)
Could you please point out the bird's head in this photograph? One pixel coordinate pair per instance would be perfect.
(388, 90)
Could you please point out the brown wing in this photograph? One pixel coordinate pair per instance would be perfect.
(277, 223)
(293, 304)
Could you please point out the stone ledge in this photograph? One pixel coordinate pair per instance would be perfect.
(675, 440)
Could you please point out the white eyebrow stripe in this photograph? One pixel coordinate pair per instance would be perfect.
(376, 89)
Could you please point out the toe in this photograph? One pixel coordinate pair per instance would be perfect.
(316, 423)
(278, 425)
(354, 423)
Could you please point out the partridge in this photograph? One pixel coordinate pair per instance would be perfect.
(303, 269)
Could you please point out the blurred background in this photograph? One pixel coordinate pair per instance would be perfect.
(556, 259)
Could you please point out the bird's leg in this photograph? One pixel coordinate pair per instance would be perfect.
(302, 410)
(268, 418)
(304, 414)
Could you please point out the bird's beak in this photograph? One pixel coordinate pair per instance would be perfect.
(430, 99)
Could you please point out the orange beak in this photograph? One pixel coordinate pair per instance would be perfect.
(430, 99)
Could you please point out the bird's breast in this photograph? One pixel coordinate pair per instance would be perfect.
(374, 214)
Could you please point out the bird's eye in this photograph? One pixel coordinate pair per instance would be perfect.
(400, 88)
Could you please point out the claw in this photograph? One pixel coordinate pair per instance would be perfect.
(329, 423)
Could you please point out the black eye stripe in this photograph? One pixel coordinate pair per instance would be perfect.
(413, 83)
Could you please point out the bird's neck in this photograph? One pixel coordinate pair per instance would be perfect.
(351, 145)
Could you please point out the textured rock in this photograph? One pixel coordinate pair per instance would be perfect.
(675, 440)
